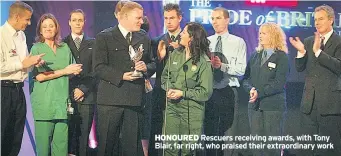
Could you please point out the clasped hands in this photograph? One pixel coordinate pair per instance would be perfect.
(174, 94)
(296, 42)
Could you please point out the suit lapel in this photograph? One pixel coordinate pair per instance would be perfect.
(71, 43)
(330, 41)
(117, 35)
(84, 43)
(272, 59)
(135, 39)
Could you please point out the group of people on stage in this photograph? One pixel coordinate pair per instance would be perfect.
(195, 90)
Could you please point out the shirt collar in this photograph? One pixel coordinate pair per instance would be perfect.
(73, 35)
(174, 34)
(10, 29)
(269, 51)
(327, 36)
(123, 30)
(224, 35)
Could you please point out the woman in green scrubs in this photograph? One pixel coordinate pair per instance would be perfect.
(187, 80)
(49, 90)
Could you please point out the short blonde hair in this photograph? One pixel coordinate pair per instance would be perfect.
(277, 37)
(119, 6)
(129, 6)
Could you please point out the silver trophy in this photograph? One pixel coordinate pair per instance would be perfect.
(137, 57)
(70, 109)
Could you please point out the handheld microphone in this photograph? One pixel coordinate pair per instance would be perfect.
(169, 47)
(166, 102)
(185, 69)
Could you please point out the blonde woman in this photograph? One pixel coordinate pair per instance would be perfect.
(265, 78)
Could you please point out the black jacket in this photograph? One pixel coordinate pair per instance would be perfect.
(112, 60)
(86, 81)
(268, 79)
(323, 81)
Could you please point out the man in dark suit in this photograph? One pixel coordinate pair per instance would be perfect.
(172, 19)
(320, 56)
(83, 86)
(120, 94)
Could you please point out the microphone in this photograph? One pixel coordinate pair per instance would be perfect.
(169, 47)
(185, 68)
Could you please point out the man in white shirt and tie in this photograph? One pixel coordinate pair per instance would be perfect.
(15, 65)
(228, 62)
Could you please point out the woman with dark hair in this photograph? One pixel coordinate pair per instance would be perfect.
(187, 79)
(49, 90)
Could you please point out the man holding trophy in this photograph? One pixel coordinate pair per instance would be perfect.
(122, 60)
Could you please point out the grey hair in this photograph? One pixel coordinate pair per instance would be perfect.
(329, 10)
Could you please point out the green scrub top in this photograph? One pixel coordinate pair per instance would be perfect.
(199, 77)
(49, 98)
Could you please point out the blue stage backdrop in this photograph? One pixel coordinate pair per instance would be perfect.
(245, 20)
(296, 20)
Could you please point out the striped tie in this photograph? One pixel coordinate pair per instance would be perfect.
(218, 75)
(77, 42)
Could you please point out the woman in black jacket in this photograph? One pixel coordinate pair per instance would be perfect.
(265, 78)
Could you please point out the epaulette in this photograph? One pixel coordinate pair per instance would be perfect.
(107, 29)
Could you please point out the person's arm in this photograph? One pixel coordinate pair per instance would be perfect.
(101, 63)
(333, 63)
(8, 66)
(204, 91)
(89, 80)
(301, 61)
(42, 75)
(166, 80)
(13, 66)
(151, 61)
(237, 66)
(276, 85)
(247, 76)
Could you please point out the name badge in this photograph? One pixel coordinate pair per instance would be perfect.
(271, 65)
(194, 68)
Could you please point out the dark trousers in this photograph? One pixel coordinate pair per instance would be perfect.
(79, 128)
(119, 130)
(158, 106)
(322, 125)
(13, 115)
(219, 114)
(266, 123)
(147, 110)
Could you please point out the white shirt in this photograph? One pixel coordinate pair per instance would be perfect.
(12, 52)
(174, 34)
(326, 38)
(75, 35)
(124, 33)
(234, 49)
(317, 54)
